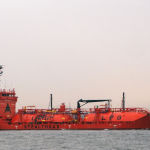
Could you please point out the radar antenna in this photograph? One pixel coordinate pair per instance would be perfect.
(1, 72)
(1, 67)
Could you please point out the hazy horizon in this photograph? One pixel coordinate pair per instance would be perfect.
(76, 50)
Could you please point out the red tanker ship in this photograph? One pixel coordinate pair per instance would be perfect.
(97, 118)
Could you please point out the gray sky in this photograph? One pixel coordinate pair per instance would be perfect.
(76, 49)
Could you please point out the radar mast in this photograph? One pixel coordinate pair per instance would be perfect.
(1, 72)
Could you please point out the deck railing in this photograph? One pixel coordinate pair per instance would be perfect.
(84, 110)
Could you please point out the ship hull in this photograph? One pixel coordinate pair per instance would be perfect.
(142, 123)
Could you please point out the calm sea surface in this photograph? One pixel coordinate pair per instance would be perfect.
(75, 139)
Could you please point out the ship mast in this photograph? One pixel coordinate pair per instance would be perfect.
(123, 101)
(50, 103)
(1, 72)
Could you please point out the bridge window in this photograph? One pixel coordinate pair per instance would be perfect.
(5, 94)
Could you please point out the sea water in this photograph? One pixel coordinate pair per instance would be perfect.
(75, 139)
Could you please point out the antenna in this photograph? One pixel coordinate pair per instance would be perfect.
(11, 83)
(1, 67)
(1, 72)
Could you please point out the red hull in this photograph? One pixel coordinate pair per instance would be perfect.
(142, 123)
